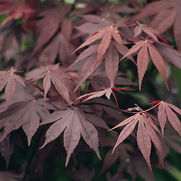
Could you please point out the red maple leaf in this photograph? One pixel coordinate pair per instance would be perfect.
(145, 134)
(166, 14)
(57, 76)
(9, 80)
(74, 124)
(147, 50)
(26, 114)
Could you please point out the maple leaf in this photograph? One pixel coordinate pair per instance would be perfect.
(92, 95)
(111, 43)
(106, 34)
(167, 13)
(111, 62)
(146, 51)
(145, 134)
(166, 112)
(11, 38)
(54, 74)
(147, 30)
(26, 114)
(107, 92)
(16, 9)
(53, 17)
(9, 80)
(74, 124)
(59, 45)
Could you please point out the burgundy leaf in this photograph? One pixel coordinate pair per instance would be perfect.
(145, 134)
(57, 76)
(74, 124)
(28, 115)
(166, 13)
(9, 80)
(158, 61)
(52, 17)
(92, 95)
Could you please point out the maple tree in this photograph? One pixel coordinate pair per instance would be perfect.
(68, 83)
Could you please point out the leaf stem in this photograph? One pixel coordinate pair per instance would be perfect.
(129, 39)
(122, 110)
(150, 108)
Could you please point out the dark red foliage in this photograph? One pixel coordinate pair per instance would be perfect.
(76, 63)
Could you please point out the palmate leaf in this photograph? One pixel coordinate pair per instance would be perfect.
(61, 45)
(92, 95)
(166, 112)
(74, 123)
(57, 76)
(9, 79)
(95, 54)
(167, 13)
(152, 33)
(145, 134)
(146, 51)
(27, 114)
(109, 47)
(111, 62)
(53, 17)
(106, 35)
(107, 92)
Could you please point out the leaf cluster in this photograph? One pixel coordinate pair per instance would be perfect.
(73, 82)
